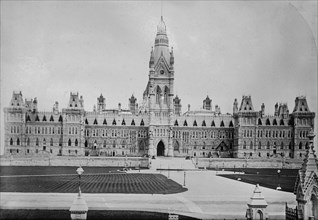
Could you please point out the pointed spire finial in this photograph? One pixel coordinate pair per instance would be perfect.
(161, 11)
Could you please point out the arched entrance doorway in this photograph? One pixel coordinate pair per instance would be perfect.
(160, 149)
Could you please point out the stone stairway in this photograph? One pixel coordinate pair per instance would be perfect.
(172, 163)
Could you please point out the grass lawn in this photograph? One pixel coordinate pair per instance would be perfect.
(93, 183)
(49, 170)
(91, 215)
(266, 177)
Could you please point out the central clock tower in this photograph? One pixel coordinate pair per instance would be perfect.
(159, 93)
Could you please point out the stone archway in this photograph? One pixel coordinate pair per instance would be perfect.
(259, 215)
(160, 149)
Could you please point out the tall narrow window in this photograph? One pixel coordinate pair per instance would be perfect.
(28, 142)
(76, 142)
(37, 142)
(158, 95)
(11, 141)
(18, 141)
(51, 142)
(69, 142)
(165, 97)
(300, 146)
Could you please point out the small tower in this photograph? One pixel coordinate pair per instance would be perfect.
(17, 100)
(133, 107)
(31, 105)
(257, 206)
(283, 111)
(75, 101)
(246, 104)
(235, 106)
(177, 105)
(217, 110)
(207, 103)
(276, 109)
(101, 105)
(56, 108)
(306, 187)
(262, 113)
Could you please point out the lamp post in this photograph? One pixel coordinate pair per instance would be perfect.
(79, 172)
(79, 207)
(278, 175)
(184, 178)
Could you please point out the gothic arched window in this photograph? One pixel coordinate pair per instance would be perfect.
(76, 142)
(165, 97)
(18, 141)
(69, 142)
(158, 94)
(51, 142)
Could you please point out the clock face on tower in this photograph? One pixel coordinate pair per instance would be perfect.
(162, 72)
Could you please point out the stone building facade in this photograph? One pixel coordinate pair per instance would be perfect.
(157, 126)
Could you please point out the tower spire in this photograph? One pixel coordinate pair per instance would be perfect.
(161, 12)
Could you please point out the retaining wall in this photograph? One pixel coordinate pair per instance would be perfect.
(249, 163)
(75, 161)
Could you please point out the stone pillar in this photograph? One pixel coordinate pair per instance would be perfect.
(79, 208)
(170, 147)
(151, 150)
(257, 206)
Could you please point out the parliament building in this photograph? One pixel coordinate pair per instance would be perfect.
(157, 127)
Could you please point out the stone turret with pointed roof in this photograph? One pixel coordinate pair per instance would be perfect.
(207, 103)
(306, 187)
(257, 205)
(101, 105)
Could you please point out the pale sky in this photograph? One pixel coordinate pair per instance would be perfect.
(224, 49)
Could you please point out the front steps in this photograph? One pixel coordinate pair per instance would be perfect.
(172, 163)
